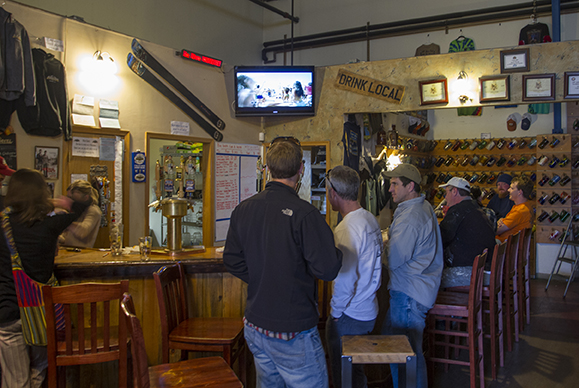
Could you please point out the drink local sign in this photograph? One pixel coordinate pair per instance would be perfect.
(369, 87)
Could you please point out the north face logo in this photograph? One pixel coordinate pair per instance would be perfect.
(288, 212)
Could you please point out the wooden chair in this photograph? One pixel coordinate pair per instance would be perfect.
(101, 336)
(511, 288)
(492, 296)
(459, 308)
(178, 331)
(199, 372)
(524, 278)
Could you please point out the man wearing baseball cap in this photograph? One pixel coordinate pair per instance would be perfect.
(4, 172)
(466, 232)
(501, 203)
(414, 264)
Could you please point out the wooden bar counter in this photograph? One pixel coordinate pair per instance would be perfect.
(213, 292)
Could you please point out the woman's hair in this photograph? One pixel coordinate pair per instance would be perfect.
(85, 188)
(29, 196)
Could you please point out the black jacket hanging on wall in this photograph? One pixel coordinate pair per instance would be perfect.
(50, 115)
(16, 68)
(16, 73)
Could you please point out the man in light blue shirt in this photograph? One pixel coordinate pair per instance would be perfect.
(415, 262)
(354, 303)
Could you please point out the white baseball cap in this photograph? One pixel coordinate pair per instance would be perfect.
(459, 183)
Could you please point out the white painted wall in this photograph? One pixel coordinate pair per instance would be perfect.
(230, 30)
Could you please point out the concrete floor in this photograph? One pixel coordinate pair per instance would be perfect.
(547, 354)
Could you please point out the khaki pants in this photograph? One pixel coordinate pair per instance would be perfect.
(22, 365)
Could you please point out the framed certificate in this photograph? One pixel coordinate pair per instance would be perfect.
(513, 61)
(571, 84)
(433, 92)
(539, 87)
(494, 88)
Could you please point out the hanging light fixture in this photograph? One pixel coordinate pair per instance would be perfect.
(461, 86)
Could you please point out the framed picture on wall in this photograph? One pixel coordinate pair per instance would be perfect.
(571, 84)
(433, 92)
(514, 61)
(46, 161)
(539, 87)
(494, 88)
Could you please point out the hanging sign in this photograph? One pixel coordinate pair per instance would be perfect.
(369, 87)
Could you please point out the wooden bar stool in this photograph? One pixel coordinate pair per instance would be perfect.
(456, 310)
(378, 349)
(492, 297)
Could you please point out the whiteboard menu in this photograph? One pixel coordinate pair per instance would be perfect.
(235, 181)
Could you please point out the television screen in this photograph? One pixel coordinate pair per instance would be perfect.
(274, 90)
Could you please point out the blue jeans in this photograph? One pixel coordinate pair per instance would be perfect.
(298, 363)
(407, 317)
(345, 325)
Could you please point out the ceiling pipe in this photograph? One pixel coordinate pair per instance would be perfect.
(276, 10)
(440, 22)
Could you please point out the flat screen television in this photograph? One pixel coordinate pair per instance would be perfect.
(274, 90)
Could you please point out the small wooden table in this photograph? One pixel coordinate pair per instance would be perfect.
(378, 349)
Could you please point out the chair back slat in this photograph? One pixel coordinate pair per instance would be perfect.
(106, 325)
(80, 330)
(139, 353)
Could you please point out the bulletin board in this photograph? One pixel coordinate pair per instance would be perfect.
(235, 181)
(96, 147)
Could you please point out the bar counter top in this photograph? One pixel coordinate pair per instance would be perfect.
(93, 263)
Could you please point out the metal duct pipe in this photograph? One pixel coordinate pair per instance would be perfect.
(412, 26)
(556, 34)
(278, 11)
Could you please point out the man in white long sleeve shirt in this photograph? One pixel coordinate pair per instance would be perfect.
(354, 304)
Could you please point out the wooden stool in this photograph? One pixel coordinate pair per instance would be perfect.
(378, 349)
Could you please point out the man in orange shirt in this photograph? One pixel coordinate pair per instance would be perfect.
(521, 215)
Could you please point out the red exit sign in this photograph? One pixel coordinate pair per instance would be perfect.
(200, 58)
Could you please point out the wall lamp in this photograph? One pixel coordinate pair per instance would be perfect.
(461, 86)
(104, 62)
(98, 73)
